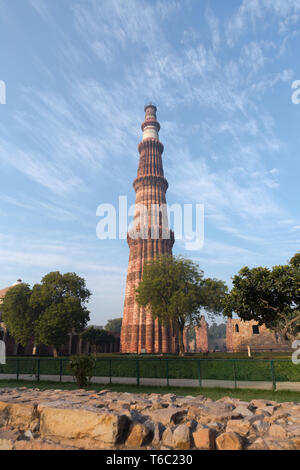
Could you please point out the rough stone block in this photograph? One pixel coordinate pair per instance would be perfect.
(108, 428)
(229, 441)
(204, 438)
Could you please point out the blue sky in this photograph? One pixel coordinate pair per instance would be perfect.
(78, 73)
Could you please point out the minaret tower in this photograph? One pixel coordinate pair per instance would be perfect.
(140, 332)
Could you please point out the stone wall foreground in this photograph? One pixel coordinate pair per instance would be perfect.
(60, 419)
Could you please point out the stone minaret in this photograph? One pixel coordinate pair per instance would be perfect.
(140, 333)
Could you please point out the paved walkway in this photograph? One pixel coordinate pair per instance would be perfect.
(258, 385)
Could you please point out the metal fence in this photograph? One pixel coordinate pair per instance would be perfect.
(200, 370)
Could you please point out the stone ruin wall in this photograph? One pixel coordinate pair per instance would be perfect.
(32, 419)
(201, 342)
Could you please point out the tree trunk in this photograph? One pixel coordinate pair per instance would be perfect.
(79, 347)
(54, 351)
(181, 344)
(70, 343)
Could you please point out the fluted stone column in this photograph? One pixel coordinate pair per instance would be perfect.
(140, 332)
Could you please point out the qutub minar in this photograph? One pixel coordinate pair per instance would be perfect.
(140, 332)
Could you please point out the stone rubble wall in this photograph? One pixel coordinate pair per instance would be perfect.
(239, 335)
(60, 419)
(201, 334)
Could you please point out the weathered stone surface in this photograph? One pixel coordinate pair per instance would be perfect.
(34, 419)
(296, 443)
(167, 437)
(40, 445)
(258, 444)
(277, 432)
(167, 415)
(280, 444)
(204, 438)
(265, 410)
(277, 415)
(6, 444)
(260, 403)
(20, 416)
(293, 430)
(242, 410)
(229, 441)
(181, 437)
(211, 412)
(138, 435)
(108, 428)
(261, 426)
(239, 426)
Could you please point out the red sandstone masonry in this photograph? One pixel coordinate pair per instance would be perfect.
(140, 332)
(202, 336)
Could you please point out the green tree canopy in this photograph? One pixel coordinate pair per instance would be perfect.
(18, 315)
(217, 331)
(59, 303)
(114, 325)
(268, 296)
(97, 337)
(176, 291)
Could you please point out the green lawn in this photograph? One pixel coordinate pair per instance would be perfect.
(213, 393)
(212, 355)
(190, 367)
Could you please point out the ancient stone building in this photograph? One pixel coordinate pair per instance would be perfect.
(150, 237)
(241, 334)
(202, 336)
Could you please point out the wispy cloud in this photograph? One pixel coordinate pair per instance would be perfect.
(213, 24)
(70, 140)
(41, 8)
(250, 12)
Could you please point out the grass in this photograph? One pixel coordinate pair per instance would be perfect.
(210, 367)
(213, 393)
(211, 355)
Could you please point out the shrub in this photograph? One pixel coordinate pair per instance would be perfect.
(83, 368)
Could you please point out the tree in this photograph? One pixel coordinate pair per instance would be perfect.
(217, 331)
(114, 325)
(59, 302)
(18, 315)
(83, 368)
(97, 337)
(176, 291)
(268, 296)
